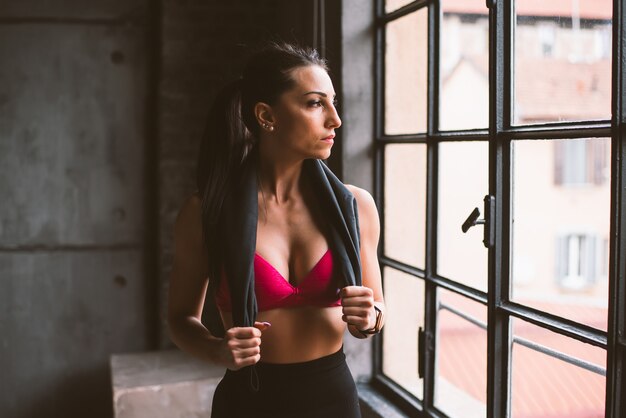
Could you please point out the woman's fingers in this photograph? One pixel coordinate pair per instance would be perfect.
(243, 346)
(248, 352)
(359, 322)
(356, 291)
(262, 326)
(358, 306)
(358, 301)
(357, 310)
(243, 332)
(237, 343)
(244, 362)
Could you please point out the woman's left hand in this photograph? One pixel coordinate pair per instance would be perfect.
(358, 307)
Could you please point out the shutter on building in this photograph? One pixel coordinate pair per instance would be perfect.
(561, 258)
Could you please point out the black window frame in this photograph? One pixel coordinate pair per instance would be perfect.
(500, 135)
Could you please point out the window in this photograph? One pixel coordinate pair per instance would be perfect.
(506, 109)
(577, 261)
(547, 35)
(581, 162)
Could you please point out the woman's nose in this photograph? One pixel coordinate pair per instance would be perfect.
(334, 121)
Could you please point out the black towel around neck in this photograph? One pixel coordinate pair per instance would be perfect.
(238, 235)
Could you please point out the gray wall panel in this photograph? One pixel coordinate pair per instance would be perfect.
(71, 135)
(358, 92)
(61, 315)
(72, 218)
(358, 126)
(92, 9)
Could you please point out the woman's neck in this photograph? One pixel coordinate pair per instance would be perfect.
(279, 179)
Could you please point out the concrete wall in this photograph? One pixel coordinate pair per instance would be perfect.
(72, 139)
(357, 75)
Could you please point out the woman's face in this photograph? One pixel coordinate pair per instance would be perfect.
(305, 116)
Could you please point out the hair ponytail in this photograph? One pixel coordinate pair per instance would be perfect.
(225, 144)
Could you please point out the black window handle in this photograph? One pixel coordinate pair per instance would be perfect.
(472, 220)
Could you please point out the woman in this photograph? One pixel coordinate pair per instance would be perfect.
(273, 239)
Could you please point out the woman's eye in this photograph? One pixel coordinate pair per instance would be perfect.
(318, 103)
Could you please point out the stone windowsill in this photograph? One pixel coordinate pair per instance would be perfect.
(162, 384)
(171, 384)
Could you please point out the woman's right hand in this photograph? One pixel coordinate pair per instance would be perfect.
(241, 346)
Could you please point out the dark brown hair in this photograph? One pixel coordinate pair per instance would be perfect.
(232, 130)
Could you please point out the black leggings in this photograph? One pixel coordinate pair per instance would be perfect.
(321, 388)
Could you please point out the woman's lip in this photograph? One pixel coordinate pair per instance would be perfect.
(329, 138)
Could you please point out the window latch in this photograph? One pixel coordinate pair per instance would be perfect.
(487, 221)
(424, 343)
(420, 353)
(491, 3)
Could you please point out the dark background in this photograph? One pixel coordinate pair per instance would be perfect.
(102, 105)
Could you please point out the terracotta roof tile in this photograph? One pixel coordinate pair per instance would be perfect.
(551, 89)
(542, 386)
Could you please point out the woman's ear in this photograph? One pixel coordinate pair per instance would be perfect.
(265, 116)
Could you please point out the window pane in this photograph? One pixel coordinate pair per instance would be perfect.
(405, 74)
(405, 203)
(562, 61)
(461, 371)
(391, 5)
(404, 299)
(464, 77)
(561, 218)
(545, 386)
(463, 183)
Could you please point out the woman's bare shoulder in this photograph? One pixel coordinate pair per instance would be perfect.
(364, 199)
(369, 221)
(368, 213)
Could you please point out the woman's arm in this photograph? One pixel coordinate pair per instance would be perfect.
(187, 290)
(359, 302)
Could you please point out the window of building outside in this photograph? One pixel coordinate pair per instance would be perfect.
(434, 148)
(581, 162)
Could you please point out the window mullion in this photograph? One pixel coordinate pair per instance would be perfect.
(379, 195)
(430, 308)
(498, 336)
(616, 380)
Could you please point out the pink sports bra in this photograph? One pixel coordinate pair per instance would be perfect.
(272, 290)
